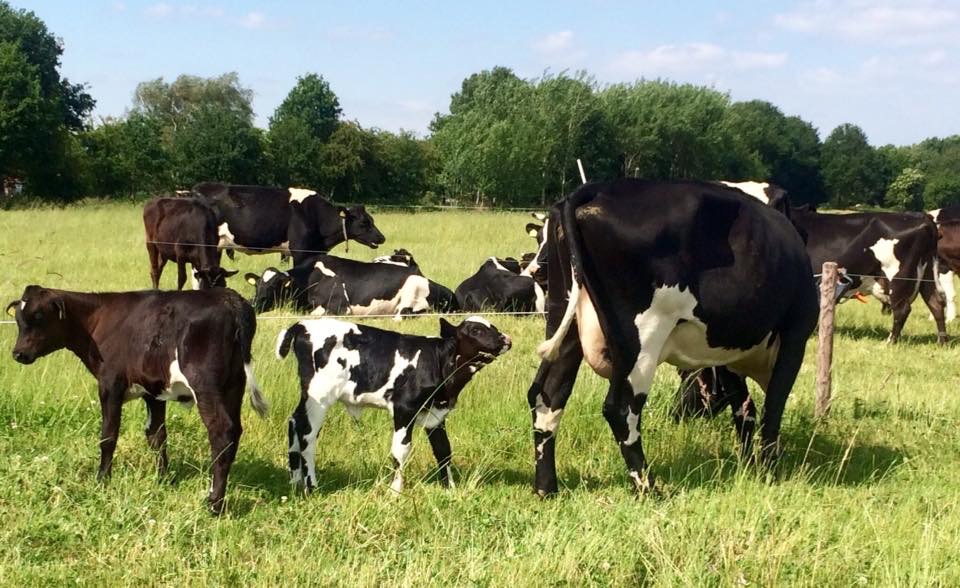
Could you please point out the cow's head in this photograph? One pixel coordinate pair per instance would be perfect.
(41, 322)
(399, 257)
(212, 277)
(358, 225)
(537, 265)
(476, 339)
(271, 289)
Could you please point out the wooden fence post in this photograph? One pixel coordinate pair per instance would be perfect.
(828, 291)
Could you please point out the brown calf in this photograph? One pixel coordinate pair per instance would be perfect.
(183, 230)
(192, 347)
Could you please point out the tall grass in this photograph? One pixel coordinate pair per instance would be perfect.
(868, 497)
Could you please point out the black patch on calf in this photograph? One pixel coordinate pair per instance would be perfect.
(322, 356)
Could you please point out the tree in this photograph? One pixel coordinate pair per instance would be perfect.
(906, 190)
(216, 142)
(172, 104)
(38, 108)
(851, 169)
(126, 157)
(300, 128)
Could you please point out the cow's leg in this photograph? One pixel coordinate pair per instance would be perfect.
(221, 415)
(440, 444)
(302, 431)
(181, 274)
(547, 398)
(156, 264)
(622, 409)
(777, 390)
(156, 431)
(741, 407)
(403, 423)
(950, 292)
(935, 301)
(900, 305)
(111, 404)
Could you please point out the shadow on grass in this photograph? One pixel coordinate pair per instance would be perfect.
(858, 332)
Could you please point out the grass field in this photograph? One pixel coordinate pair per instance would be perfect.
(868, 498)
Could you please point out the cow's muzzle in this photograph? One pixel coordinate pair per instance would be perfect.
(23, 357)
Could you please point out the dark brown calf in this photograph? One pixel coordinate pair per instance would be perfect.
(159, 346)
(183, 230)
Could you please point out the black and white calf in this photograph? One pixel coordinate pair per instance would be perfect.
(298, 221)
(416, 379)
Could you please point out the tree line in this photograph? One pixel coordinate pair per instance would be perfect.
(505, 141)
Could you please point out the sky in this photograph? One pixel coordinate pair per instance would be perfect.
(891, 67)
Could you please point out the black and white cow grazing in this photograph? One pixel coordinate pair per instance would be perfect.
(501, 288)
(892, 256)
(692, 273)
(417, 379)
(183, 230)
(326, 284)
(192, 347)
(264, 219)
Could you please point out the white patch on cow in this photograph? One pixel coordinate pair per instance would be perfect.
(633, 427)
(400, 450)
(194, 280)
(149, 417)
(756, 189)
(541, 300)
(545, 420)
(654, 327)
(883, 251)
(300, 194)
(389, 261)
(934, 214)
(269, 275)
(345, 295)
(226, 237)
(550, 349)
(178, 386)
(534, 265)
(950, 292)
(411, 296)
(324, 269)
(498, 265)
(478, 319)
(432, 417)
(23, 304)
(318, 311)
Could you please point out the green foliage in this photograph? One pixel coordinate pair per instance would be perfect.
(217, 143)
(906, 191)
(127, 157)
(173, 103)
(313, 104)
(851, 168)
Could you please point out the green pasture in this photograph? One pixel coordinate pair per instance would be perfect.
(869, 497)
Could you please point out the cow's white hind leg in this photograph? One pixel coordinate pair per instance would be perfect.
(304, 426)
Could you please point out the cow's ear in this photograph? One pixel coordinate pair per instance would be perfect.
(446, 329)
(251, 278)
(12, 308)
(534, 229)
(539, 216)
(228, 273)
(342, 210)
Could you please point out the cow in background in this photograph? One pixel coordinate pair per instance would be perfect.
(295, 221)
(183, 230)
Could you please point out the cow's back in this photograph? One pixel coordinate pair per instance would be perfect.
(255, 217)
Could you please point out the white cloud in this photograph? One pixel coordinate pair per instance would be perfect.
(883, 21)
(691, 57)
(553, 43)
(253, 20)
(160, 9)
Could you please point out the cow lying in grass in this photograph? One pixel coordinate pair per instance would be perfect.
(417, 379)
(192, 347)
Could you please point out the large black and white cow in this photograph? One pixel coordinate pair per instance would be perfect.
(259, 219)
(326, 284)
(192, 347)
(692, 273)
(417, 379)
(892, 256)
(183, 230)
(502, 285)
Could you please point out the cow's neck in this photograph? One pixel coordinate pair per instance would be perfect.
(82, 314)
(456, 371)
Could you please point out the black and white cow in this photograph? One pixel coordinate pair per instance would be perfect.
(501, 285)
(296, 221)
(692, 273)
(191, 347)
(326, 284)
(440, 298)
(416, 379)
(947, 220)
(892, 256)
(770, 194)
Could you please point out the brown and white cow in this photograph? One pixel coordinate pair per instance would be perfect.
(191, 347)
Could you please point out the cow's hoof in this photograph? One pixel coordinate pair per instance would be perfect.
(644, 483)
(215, 508)
(545, 493)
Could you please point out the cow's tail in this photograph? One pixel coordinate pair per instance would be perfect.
(567, 226)
(248, 328)
(286, 338)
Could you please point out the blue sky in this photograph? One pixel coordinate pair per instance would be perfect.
(891, 67)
